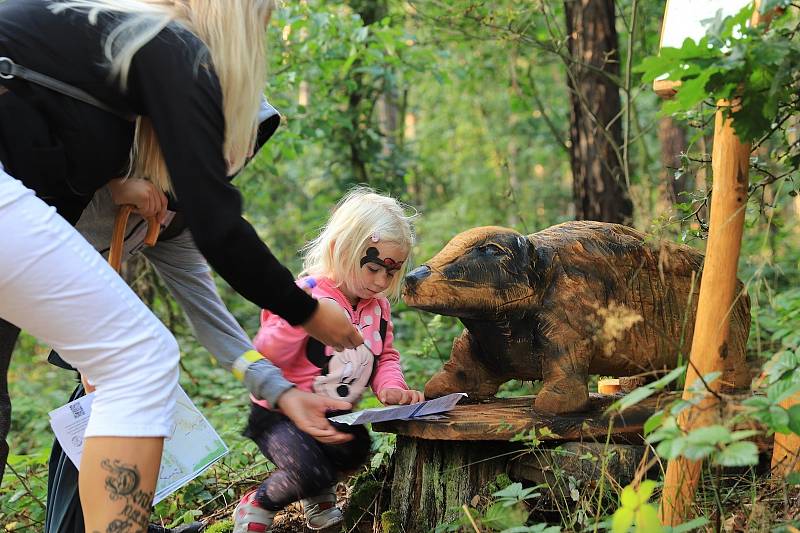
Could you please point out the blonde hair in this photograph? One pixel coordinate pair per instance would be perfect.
(337, 251)
(232, 30)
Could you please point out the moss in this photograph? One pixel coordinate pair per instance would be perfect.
(391, 522)
(223, 526)
(362, 500)
(500, 482)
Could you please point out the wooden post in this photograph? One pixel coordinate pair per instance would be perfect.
(786, 448)
(717, 293)
(730, 161)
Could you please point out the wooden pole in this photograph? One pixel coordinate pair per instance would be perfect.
(730, 163)
(786, 448)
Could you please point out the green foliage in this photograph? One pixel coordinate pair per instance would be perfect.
(24, 486)
(781, 383)
(505, 513)
(635, 511)
(733, 60)
(533, 437)
(223, 526)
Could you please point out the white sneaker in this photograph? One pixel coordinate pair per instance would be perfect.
(321, 511)
(249, 516)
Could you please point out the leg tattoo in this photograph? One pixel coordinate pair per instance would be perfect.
(122, 483)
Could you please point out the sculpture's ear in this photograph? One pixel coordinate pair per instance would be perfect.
(538, 259)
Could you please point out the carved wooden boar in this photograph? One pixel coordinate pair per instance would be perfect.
(575, 299)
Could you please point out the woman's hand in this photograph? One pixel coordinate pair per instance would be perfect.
(400, 396)
(308, 412)
(143, 194)
(88, 388)
(331, 326)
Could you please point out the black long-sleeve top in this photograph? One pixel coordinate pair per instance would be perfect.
(172, 83)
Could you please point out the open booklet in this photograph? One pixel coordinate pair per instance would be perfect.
(401, 412)
(193, 446)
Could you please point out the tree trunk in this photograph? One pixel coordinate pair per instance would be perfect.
(599, 188)
(673, 143)
(370, 11)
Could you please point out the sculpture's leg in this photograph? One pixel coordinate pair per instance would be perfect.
(464, 373)
(564, 377)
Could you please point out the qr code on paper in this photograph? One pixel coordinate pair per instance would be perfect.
(77, 410)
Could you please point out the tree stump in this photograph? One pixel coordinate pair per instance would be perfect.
(441, 464)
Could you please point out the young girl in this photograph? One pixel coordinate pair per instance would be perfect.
(357, 261)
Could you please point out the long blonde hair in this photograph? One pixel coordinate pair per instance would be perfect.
(337, 251)
(232, 30)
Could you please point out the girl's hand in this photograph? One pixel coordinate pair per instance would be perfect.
(331, 326)
(144, 195)
(400, 396)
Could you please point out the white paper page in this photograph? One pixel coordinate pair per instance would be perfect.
(69, 424)
(400, 412)
(193, 446)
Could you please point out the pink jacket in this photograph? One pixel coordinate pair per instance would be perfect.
(286, 345)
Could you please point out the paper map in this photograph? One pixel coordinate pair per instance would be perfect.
(193, 446)
(401, 412)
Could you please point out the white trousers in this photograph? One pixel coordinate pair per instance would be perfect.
(55, 286)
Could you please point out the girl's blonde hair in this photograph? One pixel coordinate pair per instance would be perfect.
(337, 251)
(232, 30)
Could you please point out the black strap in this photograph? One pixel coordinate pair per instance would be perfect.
(10, 70)
(315, 352)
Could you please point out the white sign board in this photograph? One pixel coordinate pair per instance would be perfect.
(684, 18)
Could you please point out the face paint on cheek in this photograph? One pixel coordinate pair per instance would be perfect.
(372, 256)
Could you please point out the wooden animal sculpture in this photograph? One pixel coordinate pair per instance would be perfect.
(575, 299)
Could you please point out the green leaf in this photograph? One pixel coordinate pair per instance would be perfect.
(794, 418)
(793, 478)
(653, 422)
(743, 434)
(698, 522)
(669, 378)
(622, 520)
(511, 491)
(646, 489)
(629, 499)
(634, 397)
(779, 419)
(742, 453)
(500, 517)
(647, 520)
(714, 434)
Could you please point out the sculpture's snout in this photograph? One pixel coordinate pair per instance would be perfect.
(415, 276)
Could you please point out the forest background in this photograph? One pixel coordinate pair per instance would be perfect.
(519, 114)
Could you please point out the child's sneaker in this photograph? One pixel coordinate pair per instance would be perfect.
(321, 511)
(249, 516)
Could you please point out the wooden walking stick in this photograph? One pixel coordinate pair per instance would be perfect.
(118, 237)
(115, 250)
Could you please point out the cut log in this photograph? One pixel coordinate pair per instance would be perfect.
(439, 465)
(433, 479)
(500, 419)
